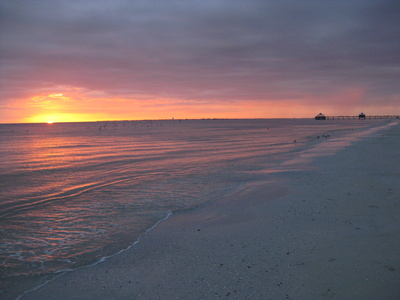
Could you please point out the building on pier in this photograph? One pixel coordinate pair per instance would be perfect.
(320, 116)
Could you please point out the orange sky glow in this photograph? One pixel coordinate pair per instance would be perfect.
(75, 106)
(71, 104)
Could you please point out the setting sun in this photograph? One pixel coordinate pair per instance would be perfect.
(50, 122)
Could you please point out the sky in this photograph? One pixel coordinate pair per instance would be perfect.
(64, 61)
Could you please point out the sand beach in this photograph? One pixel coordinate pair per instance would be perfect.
(325, 226)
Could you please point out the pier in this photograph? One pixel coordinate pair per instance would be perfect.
(357, 117)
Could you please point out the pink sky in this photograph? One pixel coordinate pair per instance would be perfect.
(119, 60)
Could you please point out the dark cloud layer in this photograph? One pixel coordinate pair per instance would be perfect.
(220, 49)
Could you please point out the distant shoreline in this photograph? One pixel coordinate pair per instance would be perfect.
(177, 119)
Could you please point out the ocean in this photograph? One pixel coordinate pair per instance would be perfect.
(74, 194)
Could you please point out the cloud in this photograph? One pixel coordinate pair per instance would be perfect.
(202, 50)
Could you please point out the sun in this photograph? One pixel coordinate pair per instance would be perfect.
(50, 122)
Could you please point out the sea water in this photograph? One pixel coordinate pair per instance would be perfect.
(75, 193)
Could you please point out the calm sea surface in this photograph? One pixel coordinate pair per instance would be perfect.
(74, 193)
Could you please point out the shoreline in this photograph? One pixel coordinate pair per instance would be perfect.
(231, 248)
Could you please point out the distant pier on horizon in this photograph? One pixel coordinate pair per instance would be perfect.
(361, 116)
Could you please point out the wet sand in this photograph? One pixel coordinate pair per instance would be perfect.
(321, 227)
